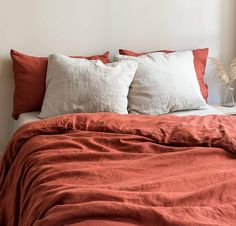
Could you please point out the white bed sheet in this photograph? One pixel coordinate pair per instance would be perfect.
(24, 118)
(33, 116)
(209, 110)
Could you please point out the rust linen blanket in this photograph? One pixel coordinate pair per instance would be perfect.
(110, 169)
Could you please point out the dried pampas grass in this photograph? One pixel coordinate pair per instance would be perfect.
(232, 72)
(227, 78)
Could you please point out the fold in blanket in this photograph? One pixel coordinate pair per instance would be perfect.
(110, 169)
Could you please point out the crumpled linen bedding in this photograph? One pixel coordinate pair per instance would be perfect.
(111, 169)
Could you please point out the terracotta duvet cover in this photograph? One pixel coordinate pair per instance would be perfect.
(110, 169)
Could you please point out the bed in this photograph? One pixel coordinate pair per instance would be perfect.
(126, 162)
(91, 169)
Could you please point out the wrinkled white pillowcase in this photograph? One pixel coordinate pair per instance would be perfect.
(80, 85)
(164, 83)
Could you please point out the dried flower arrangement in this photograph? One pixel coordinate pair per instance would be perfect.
(227, 78)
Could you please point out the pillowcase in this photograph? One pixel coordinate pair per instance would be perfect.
(164, 83)
(30, 76)
(80, 85)
(200, 60)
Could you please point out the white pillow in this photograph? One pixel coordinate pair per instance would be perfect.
(164, 83)
(80, 85)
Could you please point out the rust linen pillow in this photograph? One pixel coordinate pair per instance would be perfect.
(30, 78)
(200, 59)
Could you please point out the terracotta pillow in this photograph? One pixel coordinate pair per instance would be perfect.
(30, 77)
(200, 59)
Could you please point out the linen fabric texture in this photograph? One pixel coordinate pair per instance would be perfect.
(109, 169)
(164, 83)
(200, 61)
(80, 85)
(29, 78)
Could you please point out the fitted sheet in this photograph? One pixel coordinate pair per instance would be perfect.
(208, 110)
(24, 118)
(33, 116)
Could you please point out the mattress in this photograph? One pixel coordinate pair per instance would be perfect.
(33, 116)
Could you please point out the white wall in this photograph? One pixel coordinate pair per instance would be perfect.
(94, 26)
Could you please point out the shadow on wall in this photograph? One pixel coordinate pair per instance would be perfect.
(6, 93)
(227, 35)
(228, 31)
